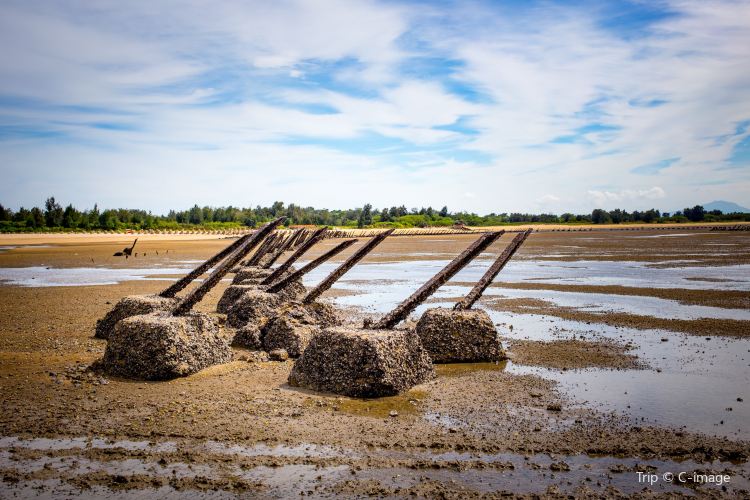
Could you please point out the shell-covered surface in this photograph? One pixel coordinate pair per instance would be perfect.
(251, 274)
(362, 363)
(254, 307)
(131, 305)
(160, 346)
(231, 295)
(452, 336)
(249, 337)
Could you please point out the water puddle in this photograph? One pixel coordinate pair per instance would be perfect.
(692, 384)
(39, 276)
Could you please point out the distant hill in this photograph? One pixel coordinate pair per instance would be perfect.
(726, 207)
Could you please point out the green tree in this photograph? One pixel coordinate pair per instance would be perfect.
(53, 214)
(599, 216)
(365, 216)
(444, 211)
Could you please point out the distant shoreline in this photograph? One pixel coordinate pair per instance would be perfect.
(105, 236)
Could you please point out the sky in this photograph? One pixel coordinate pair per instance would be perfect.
(514, 106)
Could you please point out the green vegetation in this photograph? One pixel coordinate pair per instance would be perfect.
(53, 217)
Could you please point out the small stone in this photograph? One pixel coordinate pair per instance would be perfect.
(740, 400)
(554, 407)
(278, 355)
(664, 339)
(393, 413)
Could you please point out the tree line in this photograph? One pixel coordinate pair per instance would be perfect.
(52, 216)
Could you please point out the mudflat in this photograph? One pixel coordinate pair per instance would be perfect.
(628, 353)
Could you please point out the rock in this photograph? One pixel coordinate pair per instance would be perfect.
(159, 346)
(362, 363)
(278, 355)
(393, 413)
(132, 305)
(231, 295)
(459, 336)
(554, 407)
(253, 307)
(249, 337)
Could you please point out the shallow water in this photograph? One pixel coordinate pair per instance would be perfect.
(39, 276)
(505, 471)
(582, 272)
(697, 380)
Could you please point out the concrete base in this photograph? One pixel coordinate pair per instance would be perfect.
(254, 308)
(131, 305)
(159, 346)
(459, 336)
(362, 363)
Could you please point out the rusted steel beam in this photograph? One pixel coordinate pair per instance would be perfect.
(307, 245)
(343, 268)
(280, 285)
(186, 280)
(283, 247)
(497, 266)
(263, 250)
(299, 238)
(403, 309)
(222, 269)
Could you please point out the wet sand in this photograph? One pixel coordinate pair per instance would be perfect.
(478, 429)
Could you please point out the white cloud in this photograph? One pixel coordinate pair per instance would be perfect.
(226, 92)
(606, 198)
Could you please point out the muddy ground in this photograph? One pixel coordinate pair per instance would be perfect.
(478, 430)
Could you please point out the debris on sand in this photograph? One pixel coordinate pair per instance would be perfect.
(278, 355)
(160, 346)
(362, 363)
(132, 305)
(451, 336)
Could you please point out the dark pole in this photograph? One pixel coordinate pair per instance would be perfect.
(402, 310)
(263, 250)
(343, 268)
(312, 240)
(280, 285)
(186, 280)
(196, 295)
(492, 272)
(282, 248)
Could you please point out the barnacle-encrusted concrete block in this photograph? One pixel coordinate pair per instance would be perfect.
(252, 275)
(159, 346)
(362, 363)
(286, 332)
(249, 337)
(459, 336)
(294, 291)
(231, 295)
(254, 307)
(131, 305)
(296, 325)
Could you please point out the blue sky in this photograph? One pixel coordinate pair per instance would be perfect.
(483, 106)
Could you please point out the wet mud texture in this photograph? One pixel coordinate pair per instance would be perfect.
(438, 443)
